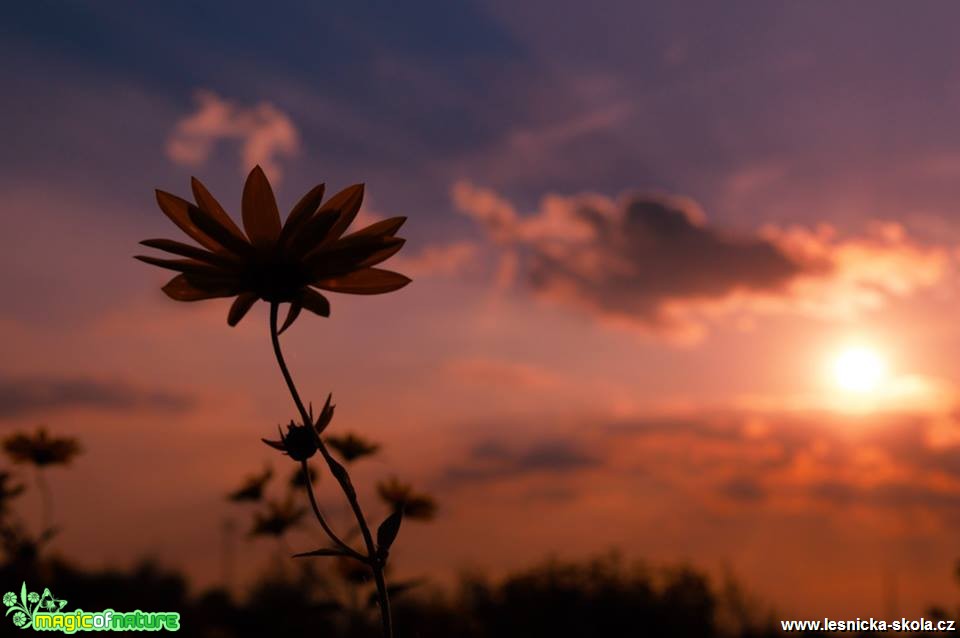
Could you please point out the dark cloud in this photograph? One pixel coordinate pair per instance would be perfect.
(631, 259)
(652, 252)
(492, 460)
(27, 396)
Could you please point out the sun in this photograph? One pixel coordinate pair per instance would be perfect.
(860, 370)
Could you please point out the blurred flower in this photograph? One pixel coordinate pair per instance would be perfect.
(352, 447)
(279, 517)
(33, 597)
(400, 496)
(19, 619)
(279, 263)
(40, 449)
(252, 488)
(7, 491)
(9, 599)
(300, 442)
(297, 479)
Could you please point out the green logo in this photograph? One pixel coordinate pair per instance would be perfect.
(44, 612)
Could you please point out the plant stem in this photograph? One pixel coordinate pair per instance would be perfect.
(376, 564)
(46, 502)
(323, 522)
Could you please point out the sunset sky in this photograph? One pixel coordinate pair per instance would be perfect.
(685, 279)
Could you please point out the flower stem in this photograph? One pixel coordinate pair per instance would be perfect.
(339, 472)
(46, 502)
(323, 522)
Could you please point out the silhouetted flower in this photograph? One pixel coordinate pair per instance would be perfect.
(279, 263)
(252, 488)
(279, 517)
(9, 599)
(352, 447)
(299, 443)
(400, 496)
(40, 449)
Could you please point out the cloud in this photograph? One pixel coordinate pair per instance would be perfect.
(265, 133)
(653, 263)
(492, 460)
(28, 396)
(440, 260)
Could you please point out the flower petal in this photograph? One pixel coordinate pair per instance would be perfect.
(314, 232)
(186, 250)
(241, 305)
(388, 227)
(292, 315)
(182, 265)
(302, 212)
(212, 227)
(261, 219)
(315, 302)
(348, 254)
(383, 254)
(182, 289)
(177, 210)
(369, 281)
(208, 203)
(347, 202)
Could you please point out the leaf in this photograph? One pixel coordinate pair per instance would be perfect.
(388, 530)
(323, 551)
(261, 219)
(23, 594)
(340, 473)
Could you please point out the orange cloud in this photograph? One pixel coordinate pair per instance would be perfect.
(653, 263)
(264, 133)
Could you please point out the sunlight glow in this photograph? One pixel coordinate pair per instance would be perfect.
(860, 370)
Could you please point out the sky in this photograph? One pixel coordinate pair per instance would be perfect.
(685, 279)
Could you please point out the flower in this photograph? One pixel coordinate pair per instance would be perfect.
(9, 599)
(352, 447)
(19, 619)
(400, 496)
(279, 517)
(300, 442)
(252, 488)
(278, 263)
(33, 597)
(40, 449)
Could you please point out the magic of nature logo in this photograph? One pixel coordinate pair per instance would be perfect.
(44, 612)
